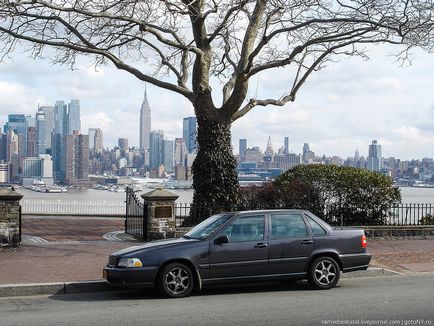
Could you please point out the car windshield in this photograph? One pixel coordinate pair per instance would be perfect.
(207, 227)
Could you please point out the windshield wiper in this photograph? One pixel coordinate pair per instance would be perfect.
(187, 237)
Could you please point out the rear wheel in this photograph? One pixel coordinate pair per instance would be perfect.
(323, 273)
(176, 280)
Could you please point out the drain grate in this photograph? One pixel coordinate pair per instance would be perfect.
(420, 267)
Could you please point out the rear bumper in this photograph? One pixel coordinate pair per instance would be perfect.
(143, 277)
(355, 262)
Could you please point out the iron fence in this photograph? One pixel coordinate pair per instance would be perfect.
(402, 214)
(136, 216)
(72, 207)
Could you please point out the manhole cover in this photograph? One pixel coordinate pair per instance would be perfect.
(420, 267)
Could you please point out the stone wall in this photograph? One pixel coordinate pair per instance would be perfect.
(9, 222)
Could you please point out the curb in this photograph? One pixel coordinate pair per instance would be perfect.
(370, 272)
(17, 290)
(29, 289)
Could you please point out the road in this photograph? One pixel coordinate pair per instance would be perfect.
(393, 300)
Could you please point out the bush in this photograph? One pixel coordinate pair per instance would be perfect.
(427, 220)
(359, 196)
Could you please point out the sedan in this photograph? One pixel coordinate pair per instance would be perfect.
(243, 246)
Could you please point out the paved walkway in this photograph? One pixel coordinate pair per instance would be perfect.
(67, 249)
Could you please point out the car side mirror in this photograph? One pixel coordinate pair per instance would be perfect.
(221, 239)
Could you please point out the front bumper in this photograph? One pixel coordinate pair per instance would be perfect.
(138, 277)
(355, 262)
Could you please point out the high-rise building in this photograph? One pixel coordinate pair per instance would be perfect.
(98, 141)
(156, 148)
(242, 149)
(168, 155)
(41, 127)
(18, 123)
(74, 122)
(145, 124)
(180, 151)
(49, 125)
(286, 145)
(375, 159)
(92, 139)
(123, 144)
(77, 159)
(32, 142)
(58, 144)
(306, 148)
(189, 132)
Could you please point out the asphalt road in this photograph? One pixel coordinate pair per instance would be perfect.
(393, 300)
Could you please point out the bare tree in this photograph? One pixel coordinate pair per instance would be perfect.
(181, 45)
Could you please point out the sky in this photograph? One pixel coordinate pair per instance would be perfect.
(338, 110)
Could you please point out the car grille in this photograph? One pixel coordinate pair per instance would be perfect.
(113, 260)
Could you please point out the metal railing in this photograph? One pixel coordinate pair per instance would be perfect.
(72, 207)
(136, 221)
(403, 214)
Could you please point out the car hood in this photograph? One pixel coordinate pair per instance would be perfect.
(154, 245)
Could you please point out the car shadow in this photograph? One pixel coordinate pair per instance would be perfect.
(154, 294)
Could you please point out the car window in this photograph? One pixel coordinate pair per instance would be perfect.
(316, 228)
(289, 225)
(246, 228)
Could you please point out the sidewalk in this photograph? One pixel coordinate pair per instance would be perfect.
(75, 249)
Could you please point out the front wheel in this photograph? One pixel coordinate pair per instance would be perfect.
(176, 280)
(323, 273)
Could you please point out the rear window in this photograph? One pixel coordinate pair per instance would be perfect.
(316, 228)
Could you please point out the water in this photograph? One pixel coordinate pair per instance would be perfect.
(185, 196)
(409, 195)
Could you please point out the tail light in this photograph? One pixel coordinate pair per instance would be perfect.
(364, 242)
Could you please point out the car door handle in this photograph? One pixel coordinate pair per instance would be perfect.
(306, 242)
(261, 245)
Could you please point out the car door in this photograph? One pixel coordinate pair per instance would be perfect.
(290, 243)
(246, 253)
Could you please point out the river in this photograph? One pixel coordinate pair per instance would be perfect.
(409, 195)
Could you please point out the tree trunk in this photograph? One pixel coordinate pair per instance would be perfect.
(215, 179)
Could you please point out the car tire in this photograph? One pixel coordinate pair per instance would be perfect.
(176, 280)
(323, 273)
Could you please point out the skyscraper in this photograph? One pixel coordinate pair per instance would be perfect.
(92, 138)
(286, 145)
(189, 132)
(49, 124)
(145, 124)
(41, 127)
(77, 159)
(168, 155)
(180, 151)
(242, 149)
(58, 141)
(375, 160)
(98, 140)
(156, 148)
(74, 122)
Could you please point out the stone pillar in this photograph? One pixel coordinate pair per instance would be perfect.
(160, 214)
(10, 217)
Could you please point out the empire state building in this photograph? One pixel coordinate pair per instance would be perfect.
(145, 124)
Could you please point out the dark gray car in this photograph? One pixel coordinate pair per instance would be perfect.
(243, 246)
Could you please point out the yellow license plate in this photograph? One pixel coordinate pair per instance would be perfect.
(104, 274)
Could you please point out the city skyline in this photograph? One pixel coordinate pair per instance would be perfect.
(342, 108)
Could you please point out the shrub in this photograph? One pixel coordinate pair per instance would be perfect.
(359, 196)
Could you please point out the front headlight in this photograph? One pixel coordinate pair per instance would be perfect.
(130, 262)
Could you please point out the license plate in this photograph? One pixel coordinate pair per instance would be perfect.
(104, 273)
